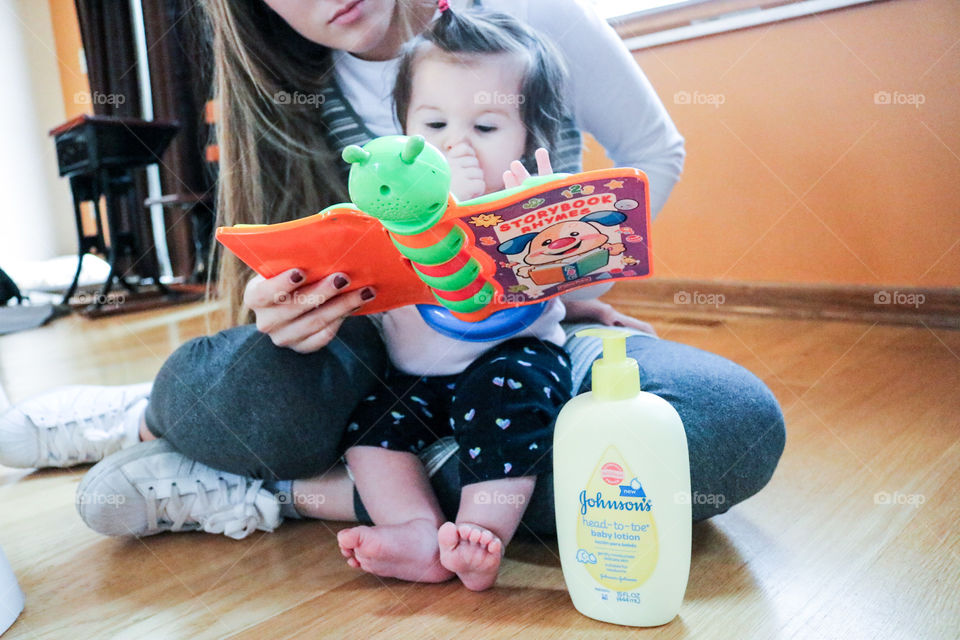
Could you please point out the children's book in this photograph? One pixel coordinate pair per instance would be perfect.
(533, 242)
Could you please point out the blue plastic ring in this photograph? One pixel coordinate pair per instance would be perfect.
(501, 324)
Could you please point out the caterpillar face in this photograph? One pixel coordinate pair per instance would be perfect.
(399, 179)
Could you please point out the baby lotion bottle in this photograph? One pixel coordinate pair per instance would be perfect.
(621, 478)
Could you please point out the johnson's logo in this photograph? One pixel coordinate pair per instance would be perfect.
(626, 491)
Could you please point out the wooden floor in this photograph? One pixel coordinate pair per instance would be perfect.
(870, 410)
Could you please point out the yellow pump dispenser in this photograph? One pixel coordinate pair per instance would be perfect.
(615, 376)
(622, 491)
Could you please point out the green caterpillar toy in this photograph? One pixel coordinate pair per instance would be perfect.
(405, 183)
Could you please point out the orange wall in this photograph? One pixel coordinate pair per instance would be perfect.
(73, 78)
(799, 176)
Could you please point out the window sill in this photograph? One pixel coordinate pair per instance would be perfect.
(645, 30)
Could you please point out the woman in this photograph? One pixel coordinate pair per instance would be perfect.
(249, 426)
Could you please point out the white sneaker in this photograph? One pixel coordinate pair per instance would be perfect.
(150, 488)
(72, 425)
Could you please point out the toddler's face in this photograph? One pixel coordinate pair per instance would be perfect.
(474, 100)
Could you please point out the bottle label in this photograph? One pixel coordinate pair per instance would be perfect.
(616, 531)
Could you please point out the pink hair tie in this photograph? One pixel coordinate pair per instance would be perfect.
(443, 5)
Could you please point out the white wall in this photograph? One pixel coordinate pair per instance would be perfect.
(36, 215)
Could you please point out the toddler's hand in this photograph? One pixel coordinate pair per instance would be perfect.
(518, 173)
(466, 176)
(303, 317)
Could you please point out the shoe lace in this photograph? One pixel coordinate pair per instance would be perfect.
(81, 440)
(214, 510)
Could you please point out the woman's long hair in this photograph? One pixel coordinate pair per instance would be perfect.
(275, 163)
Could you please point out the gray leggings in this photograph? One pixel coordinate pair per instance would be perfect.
(236, 402)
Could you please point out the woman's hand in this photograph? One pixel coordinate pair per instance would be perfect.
(303, 317)
(466, 176)
(517, 173)
(597, 311)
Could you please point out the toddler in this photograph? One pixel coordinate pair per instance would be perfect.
(484, 90)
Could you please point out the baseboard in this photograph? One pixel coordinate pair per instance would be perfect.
(934, 308)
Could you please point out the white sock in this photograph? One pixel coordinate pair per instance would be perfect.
(131, 422)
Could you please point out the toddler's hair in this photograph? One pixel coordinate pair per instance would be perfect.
(542, 106)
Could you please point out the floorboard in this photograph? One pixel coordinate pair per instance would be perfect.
(873, 413)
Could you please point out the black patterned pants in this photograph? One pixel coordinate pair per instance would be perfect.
(501, 410)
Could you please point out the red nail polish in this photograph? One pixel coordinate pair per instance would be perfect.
(339, 282)
(366, 294)
(296, 277)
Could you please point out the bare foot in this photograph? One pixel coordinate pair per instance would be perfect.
(471, 552)
(407, 551)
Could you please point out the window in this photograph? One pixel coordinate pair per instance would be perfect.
(649, 23)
